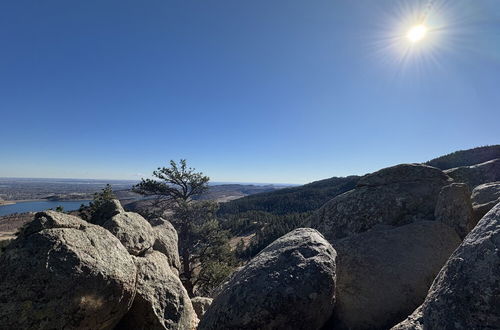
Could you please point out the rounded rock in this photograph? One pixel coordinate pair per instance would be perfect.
(62, 272)
(454, 208)
(393, 196)
(166, 242)
(288, 285)
(484, 197)
(161, 302)
(135, 233)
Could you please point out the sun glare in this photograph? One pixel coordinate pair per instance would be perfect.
(416, 33)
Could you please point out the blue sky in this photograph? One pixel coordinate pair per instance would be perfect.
(250, 91)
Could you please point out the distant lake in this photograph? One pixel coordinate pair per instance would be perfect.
(38, 206)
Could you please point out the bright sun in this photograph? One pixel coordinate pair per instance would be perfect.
(416, 33)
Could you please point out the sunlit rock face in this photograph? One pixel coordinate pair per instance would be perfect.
(64, 273)
(484, 198)
(160, 302)
(478, 174)
(166, 242)
(135, 233)
(106, 211)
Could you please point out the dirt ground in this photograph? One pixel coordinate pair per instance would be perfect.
(9, 224)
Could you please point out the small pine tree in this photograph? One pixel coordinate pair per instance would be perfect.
(105, 195)
(204, 249)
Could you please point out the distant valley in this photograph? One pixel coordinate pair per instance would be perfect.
(17, 195)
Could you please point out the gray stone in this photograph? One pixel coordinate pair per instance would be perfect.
(412, 322)
(395, 196)
(106, 211)
(62, 272)
(484, 197)
(384, 274)
(476, 174)
(454, 208)
(201, 304)
(161, 302)
(466, 293)
(166, 242)
(135, 233)
(288, 285)
(51, 220)
(402, 173)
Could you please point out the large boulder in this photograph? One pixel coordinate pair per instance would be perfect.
(135, 233)
(395, 196)
(161, 302)
(484, 197)
(384, 274)
(166, 242)
(476, 174)
(201, 304)
(454, 208)
(106, 210)
(466, 293)
(64, 273)
(288, 285)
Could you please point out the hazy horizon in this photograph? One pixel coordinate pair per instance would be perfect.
(104, 180)
(285, 91)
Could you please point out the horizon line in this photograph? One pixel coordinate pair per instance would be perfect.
(137, 180)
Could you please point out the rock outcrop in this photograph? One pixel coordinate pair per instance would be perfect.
(166, 242)
(478, 174)
(62, 272)
(106, 211)
(395, 196)
(288, 285)
(160, 302)
(484, 197)
(454, 208)
(384, 274)
(466, 293)
(135, 233)
(201, 304)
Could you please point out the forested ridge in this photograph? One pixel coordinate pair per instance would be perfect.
(272, 214)
(466, 157)
(292, 200)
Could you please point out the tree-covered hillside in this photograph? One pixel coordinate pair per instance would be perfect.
(466, 157)
(291, 200)
(273, 214)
